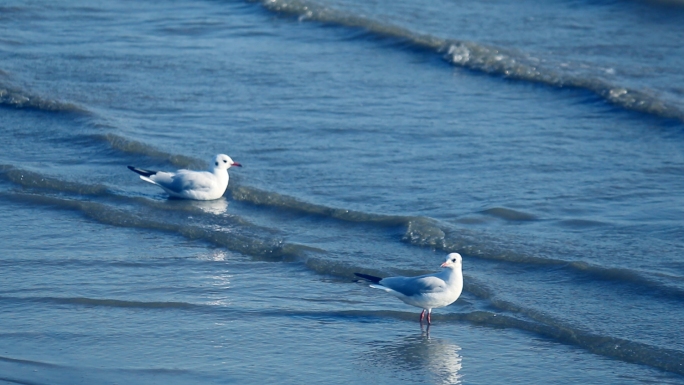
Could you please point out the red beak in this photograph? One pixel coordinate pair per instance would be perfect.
(444, 264)
(236, 164)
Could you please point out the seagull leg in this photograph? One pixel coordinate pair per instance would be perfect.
(428, 317)
(422, 315)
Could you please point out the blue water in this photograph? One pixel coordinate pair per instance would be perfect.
(542, 141)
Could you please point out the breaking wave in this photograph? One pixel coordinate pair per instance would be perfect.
(12, 97)
(482, 58)
(418, 231)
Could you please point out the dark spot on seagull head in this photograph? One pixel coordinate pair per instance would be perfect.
(224, 162)
(453, 260)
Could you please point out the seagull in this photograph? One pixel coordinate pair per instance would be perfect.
(197, 185)
(425, 291)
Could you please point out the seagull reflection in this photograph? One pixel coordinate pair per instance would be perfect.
(438, 356)
(216, 207)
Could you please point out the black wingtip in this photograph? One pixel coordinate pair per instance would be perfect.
(141, 171)
(371, 278)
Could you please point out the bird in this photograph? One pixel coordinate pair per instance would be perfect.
(425, 291)
(196, 185)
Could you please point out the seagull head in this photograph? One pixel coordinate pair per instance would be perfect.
(223, 162)
(453, 261)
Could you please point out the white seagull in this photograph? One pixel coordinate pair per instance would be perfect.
(197, 185)
(425, 291)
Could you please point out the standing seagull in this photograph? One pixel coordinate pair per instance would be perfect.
(425, 291)
(197, 185)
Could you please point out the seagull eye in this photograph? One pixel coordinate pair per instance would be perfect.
(225, 161)
(453, 260)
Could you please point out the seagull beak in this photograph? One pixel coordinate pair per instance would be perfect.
(236, 164)
(445, 264)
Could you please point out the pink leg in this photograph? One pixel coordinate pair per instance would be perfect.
(422, 315)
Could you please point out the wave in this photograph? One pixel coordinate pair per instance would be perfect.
(104, 302)
(427, 232)
(536, 322)
(422, 234)
(50, 373)
(509, 214)
(27, 362)
(12, 97)
(30, 179)
(471, 55)
(625, 350)
(482, 58)
(277, 250)
(130, 146)
(417, 231)
(266, 198)
(266, 249)
(37, 183)
(497, 61)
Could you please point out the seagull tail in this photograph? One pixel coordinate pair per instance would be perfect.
(370, 278)
(142, 171)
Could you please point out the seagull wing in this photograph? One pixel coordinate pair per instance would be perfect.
(410, 286)
(183, 180)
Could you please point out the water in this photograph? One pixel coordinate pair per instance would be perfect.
(543, 142)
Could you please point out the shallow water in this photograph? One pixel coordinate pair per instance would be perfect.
(542, 142)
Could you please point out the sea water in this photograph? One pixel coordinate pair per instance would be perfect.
(542, 141)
